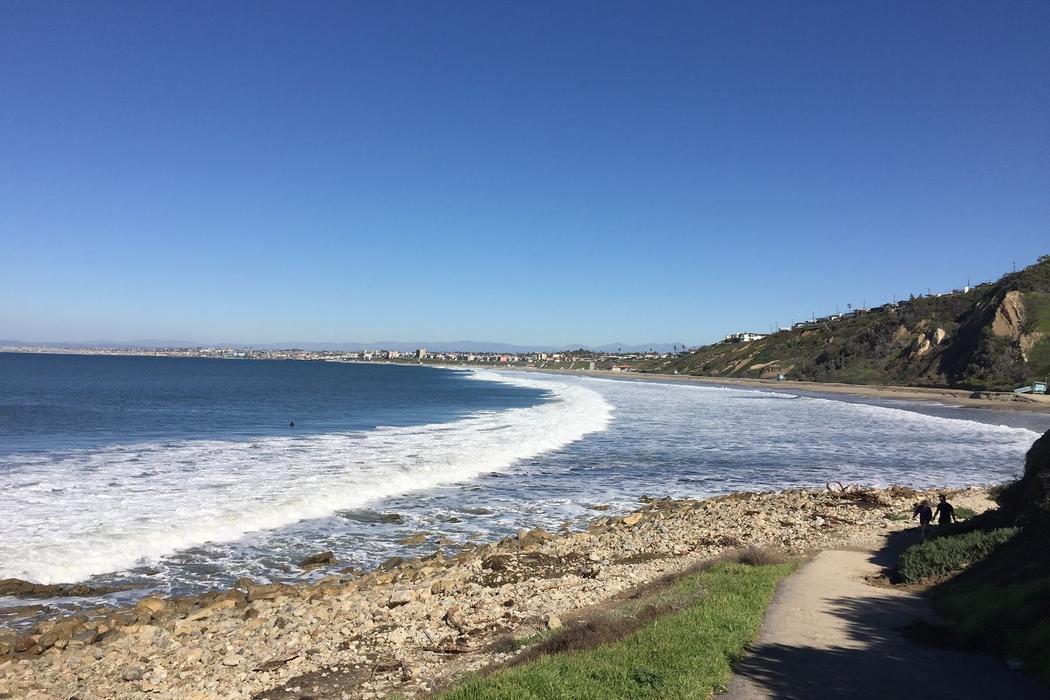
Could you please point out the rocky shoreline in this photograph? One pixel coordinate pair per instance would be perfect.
(413, 625)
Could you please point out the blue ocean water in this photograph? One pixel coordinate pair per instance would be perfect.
(50, 402)
(177, 475)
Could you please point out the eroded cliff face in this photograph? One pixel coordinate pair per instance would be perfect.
(1011, 321)
(1009, 318)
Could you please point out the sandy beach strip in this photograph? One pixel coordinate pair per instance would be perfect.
(998, 400)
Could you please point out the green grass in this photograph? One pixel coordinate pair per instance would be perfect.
(1037, 320)
(1039, 359)
(1037, 311)
(685, 654)
(947, 553)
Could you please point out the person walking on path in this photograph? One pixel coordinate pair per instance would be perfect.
(924, 513)
(945, 512)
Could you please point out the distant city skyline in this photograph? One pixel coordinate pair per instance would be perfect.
(365, 346)
(528, 175)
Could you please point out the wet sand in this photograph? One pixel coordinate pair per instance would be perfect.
(954, 397)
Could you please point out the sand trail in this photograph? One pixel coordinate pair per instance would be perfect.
(829, 634)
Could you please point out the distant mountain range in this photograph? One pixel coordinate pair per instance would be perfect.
(350, 346)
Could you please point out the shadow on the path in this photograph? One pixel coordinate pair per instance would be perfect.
(878, 661)
(896, 542)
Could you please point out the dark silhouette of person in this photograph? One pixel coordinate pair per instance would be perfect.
(924, 513)
(945, 512)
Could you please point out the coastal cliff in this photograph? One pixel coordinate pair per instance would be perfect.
(994, 336)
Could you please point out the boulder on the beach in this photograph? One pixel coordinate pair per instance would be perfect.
(318, 559)
(418, 538)
(24, 643)
(87, 636)
(391, 563)
(18, 588)
(537, 535)
(269, 591)
(54, 633)
(153, 604)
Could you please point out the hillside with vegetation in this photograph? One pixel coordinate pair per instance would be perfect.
(994, 336)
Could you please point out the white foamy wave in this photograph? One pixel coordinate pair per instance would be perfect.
(97, 511)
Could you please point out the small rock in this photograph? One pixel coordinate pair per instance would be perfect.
(132, 673)
(399, 598)
(231, 660)
(87, 636)
(590, 571)
(553, 622)
(442, 586)
(419, 538)
(632, 519)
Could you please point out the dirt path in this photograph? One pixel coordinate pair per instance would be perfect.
(828, 634)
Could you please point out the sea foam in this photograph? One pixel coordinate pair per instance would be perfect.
(95, 511)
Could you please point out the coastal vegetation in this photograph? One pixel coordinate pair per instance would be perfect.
(711, 616)
(993, 336)
(950, 553)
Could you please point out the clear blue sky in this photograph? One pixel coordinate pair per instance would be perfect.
(525, 172)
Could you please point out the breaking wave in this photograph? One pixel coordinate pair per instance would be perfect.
(89, 512)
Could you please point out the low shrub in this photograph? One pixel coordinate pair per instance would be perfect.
(947, 553)
(761, 556)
